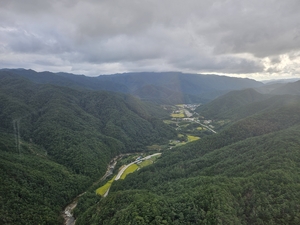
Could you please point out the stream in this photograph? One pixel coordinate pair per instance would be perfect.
(67, 213)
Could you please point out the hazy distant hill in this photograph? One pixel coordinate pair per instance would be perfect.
(240, 104)
(281, 81)
(224, 106)
(268, 88)
(193, 84)
(163, 88)
(289, 88)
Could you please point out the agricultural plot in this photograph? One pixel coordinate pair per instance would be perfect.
(132, 168)
(178, 112)
(145, 163)
(192, 138)
(129, 170)
(102, 190)
(177, 115)
(168, 122)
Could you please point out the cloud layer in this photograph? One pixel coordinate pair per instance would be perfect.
(258, 39)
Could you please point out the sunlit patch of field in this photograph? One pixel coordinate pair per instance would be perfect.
(181, 143)
(102, 190)
(185, 125)
(177, 143)
(177, 115)
(129, 170)
(199, 128)
(170, 122)
(192, 138)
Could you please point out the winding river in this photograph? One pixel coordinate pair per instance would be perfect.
(67, 213)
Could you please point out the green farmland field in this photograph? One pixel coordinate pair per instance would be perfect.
(192, 138)
(129, 170)
(177, 115)
(102, 190)
(145, 163)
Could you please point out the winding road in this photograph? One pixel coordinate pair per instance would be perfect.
(125, 167)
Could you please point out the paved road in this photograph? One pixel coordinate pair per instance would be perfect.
(206, 127)
(125, 167)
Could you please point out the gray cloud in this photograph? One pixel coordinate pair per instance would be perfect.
(258, 38)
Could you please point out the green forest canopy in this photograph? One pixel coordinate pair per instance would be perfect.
(246, 174)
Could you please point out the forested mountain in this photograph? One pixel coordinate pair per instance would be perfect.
(59, 131)
(290, 88)
(163, 88)
(240, 104)
(229, 102)
(246, 174)
(55, 141)
(281, 87)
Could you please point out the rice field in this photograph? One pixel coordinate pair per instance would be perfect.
(102, 190)
(129, 170)
(145, 163)
(132, 168)
(177, 115)
(192, 138)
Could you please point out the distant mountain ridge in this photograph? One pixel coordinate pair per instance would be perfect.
(162, 88)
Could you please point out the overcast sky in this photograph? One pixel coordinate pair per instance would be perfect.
(258, 39)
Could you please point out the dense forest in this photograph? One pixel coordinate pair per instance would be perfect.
(56, 141)
(57, 137)
(248, 173)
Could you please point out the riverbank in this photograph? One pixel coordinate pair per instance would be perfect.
(67, 213)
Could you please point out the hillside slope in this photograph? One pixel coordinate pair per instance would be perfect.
(53, 135)
(289, 88)
(34, 188)
(240, 104)
(231, 101)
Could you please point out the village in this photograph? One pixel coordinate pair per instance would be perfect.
(190, 125)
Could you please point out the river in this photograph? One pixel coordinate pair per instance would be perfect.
(67, 213)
